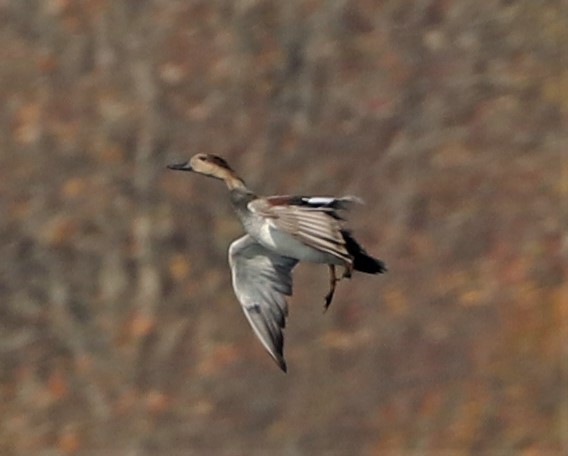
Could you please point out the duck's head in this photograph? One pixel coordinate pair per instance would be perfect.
(214, 166)
(206, 164)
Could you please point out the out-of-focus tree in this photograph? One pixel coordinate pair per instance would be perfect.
(119, 331)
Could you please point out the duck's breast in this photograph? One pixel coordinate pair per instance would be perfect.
(287, 245)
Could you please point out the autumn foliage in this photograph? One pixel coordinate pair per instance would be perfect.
(120, 333)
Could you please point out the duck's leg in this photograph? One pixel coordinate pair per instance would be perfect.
(332, 281)
(348, 271)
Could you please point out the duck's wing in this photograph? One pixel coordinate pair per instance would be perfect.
(262, 280)
(315, 221)
(333, 206)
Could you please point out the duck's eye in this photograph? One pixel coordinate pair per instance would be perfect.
(202, 158)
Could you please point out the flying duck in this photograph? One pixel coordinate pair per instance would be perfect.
(281, 231)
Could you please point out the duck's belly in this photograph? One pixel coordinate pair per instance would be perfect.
(286, 245)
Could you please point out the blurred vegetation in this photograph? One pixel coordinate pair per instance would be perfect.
(120, 333)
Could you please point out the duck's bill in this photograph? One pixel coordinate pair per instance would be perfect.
(185, 166)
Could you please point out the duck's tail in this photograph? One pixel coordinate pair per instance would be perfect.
(362, 261)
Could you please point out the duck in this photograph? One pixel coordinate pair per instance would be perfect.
(282, 231)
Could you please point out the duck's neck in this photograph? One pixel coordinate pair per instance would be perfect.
(240, 193)
(234, 182)
(240, 198)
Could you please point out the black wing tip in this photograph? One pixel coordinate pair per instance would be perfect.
(282, 365)
(362, 261)
(369, 265)
(381, 267)
(279, 359)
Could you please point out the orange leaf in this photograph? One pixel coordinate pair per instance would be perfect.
(141, 325)
(179, 267)
(156, 401)
(68, 442)
(73, 187)
(57, 384)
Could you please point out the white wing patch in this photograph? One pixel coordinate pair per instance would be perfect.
(319, 200)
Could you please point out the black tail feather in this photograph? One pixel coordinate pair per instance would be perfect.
(362, 261)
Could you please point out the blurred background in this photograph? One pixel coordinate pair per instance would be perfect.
(119, 330)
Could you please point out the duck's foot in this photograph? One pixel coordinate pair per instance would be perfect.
(332, 282)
